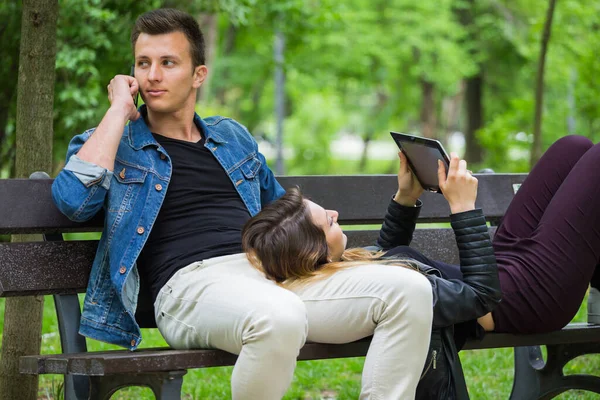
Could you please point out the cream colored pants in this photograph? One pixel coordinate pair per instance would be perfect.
(226, 304)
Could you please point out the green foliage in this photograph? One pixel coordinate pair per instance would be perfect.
(93, 46)
(506, 139)
(352, 67)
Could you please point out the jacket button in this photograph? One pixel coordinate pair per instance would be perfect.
(140, 229)
(122, 269)
(158, 187)
(162, 156)
(132, 342)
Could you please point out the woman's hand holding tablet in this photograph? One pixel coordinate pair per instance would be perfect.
(422, 155)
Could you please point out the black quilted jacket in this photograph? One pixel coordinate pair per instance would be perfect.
(454, 301)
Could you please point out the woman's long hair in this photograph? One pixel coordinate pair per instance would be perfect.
(283, 242)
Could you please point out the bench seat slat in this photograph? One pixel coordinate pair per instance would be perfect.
(165, 359)
(27, 205)
(32, 268)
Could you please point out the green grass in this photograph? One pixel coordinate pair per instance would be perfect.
(488, 372)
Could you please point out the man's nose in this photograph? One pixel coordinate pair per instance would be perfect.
(155, 73)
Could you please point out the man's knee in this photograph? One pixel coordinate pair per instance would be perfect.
(419, 300)
(282, 324)
(409, 292)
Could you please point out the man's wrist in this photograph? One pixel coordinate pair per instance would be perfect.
(119, 112)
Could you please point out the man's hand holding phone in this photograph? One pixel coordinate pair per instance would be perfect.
(122, 89)
(459, 187)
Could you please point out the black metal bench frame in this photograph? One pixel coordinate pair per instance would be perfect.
(62, 268)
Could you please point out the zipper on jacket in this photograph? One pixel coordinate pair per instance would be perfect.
(432, 363)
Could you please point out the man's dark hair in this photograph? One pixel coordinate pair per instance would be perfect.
(167, 20)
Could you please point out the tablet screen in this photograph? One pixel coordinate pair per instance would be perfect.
(423, 155)
(424, 159)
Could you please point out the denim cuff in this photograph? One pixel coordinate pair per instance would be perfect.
(89, 173)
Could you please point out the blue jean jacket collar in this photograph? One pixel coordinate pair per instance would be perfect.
(139, 135)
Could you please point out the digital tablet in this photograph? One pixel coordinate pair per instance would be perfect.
(422, 155)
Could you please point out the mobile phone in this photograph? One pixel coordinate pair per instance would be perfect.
(422, 155)
(137, 95)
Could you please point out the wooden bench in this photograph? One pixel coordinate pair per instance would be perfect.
(61, 269)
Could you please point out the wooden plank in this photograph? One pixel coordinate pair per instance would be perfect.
(165, 359)
(27, 205)
(580, 332)
(364, 198)
(42, 268)
(436, 243)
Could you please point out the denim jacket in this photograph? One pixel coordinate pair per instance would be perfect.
(131, 197)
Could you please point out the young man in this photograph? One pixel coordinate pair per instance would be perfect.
(176, 190)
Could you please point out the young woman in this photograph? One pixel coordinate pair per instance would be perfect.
(295, 242)
(544, 252)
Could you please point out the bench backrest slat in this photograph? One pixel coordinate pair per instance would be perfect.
(42, 268)
(27, 207)
(364, 198)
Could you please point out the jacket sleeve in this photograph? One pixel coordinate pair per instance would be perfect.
(270, 189)
(479, 292)
(80, 187)
(398, 225)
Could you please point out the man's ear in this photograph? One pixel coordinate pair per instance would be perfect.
(200, 74)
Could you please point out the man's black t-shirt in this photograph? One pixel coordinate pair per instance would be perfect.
(201, 217)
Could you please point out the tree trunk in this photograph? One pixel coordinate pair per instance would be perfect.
(279, 60)
(230, 37)
(536, 147)
(9, 43)
(474, 100)
(382, 99)
(452, 108)
(35, 97)
(208, 24)
(367, 139)
(474, 85)
(428, 117)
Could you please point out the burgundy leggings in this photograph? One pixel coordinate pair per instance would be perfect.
(548, 244)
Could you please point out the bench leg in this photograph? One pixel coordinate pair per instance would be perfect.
(536, 379)
(165, 385)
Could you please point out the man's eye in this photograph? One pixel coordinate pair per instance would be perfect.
(168, 63)
(142, 63)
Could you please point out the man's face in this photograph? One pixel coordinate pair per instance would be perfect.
(164, 71)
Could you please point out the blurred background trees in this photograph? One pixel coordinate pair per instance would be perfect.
(460, 71)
